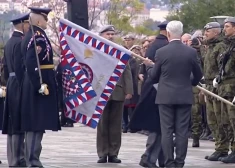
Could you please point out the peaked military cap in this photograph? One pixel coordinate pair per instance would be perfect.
(19, 19)
(107, 28)
(129, 36)
(230, 20)
(41, 11)
(212, 25)
(163, 25)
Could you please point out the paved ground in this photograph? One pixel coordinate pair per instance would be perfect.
(76, 147)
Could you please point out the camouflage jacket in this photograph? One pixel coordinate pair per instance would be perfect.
(211, 58)
(229, 72)
(227, 86)
(198, 48)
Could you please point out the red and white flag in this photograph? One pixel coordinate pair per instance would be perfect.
(102, 62)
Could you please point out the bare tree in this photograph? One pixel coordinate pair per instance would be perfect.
(95, 8)
(3, 29)
(120, 13)
(59, 8)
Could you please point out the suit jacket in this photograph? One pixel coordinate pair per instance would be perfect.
(176, 69)
(124, 86)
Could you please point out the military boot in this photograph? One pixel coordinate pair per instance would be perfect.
(206, 135)
(216, 156)
(210, 138)
(229, 159)
(196, 143)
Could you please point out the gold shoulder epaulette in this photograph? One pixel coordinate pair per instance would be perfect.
(38, 33)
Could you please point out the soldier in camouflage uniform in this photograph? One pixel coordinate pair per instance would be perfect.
(213, 40)
(196, 116)
(196, 119)
(225, 82)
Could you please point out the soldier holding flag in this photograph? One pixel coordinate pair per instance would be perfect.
(109, 130)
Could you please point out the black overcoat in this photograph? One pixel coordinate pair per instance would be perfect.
(160, 41)
(11, 117)
(146, 114)
(39, 112)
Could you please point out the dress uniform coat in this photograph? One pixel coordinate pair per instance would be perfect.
(2, 100)
(160, 41)
(11, 123)
(39, 112)
(146, 115)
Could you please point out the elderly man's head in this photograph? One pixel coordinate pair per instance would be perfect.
(174, 30)
(185, 38)
(212, 30)
(38, 20)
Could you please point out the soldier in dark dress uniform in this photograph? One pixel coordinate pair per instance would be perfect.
(146, 114)
(39, 107)
(11, 123)
(2, 93)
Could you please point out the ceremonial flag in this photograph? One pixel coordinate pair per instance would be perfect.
(102, 61)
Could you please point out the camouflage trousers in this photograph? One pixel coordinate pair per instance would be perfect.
(228, 120)
(196, 118)
(214, 120)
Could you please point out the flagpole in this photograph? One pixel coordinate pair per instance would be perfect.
(214, 95)
(137, 56)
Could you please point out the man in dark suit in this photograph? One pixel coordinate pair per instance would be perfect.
(176, 69)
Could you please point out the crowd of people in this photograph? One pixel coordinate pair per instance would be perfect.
(153, 96)
(210, 119)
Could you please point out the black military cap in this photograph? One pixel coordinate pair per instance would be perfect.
(163, 25)
(212, 25)
(19, 19)
(41, 11)
(107, 28)
(230, 20)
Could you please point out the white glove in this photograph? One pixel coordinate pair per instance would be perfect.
(43, 90)
(2, 92)
(215, 83)
(233, 101)
(203, 85)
